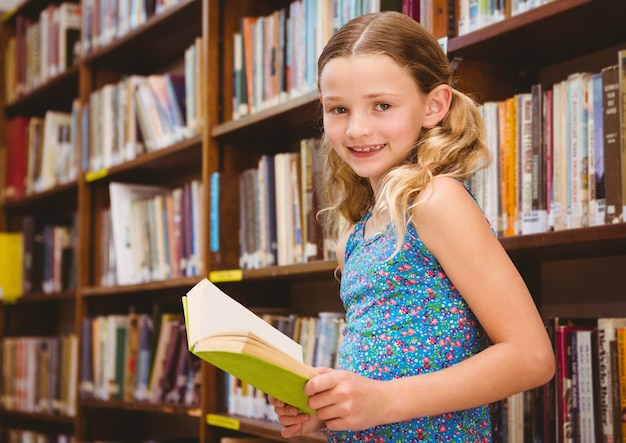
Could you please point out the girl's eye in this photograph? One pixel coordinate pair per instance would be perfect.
(382, 106)
(339, 110)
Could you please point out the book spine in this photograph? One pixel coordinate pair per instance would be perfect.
(612, 144)
(621, 365)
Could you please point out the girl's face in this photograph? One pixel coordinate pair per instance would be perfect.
(373, 112)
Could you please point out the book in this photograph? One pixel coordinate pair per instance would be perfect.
(596, 153)
(11, 269)
(606, 335)
(224, 219)
(620, 334)
(267, 206)
(129, 223)
(584, 382)
(560, 390)
(69, 23)
(16, 142)
(167, 333)
(228, 335)
(612, 144)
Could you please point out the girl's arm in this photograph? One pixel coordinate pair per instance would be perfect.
(453, 227)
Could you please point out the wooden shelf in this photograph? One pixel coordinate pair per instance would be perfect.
(42, 297)
(268, 429)
(177, 284)
(39, 417)
(61, 196)
(297, 113)
(179, 159)
(557, 31)
(56, 94)
(594, 241)
(501, 59)
(300, 271)
(158, 408)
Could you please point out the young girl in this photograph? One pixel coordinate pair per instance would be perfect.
(439, 322)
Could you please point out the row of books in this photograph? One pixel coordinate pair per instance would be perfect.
(41, 258)
(557, 155)
(476, 14)
(43, 153)
(49, 256)
(104, 21)
(42, 49)
(138, 358)
(154, 232)
(584, 401)
(320, 337)
(29, 436)
(136, 115)
(274, 56)
(121, 121)
(142, 114)
(277, 206)
(39, 374)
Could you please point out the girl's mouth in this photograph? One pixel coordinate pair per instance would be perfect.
(370, 148)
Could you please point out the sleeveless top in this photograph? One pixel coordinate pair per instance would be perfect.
(405, 317)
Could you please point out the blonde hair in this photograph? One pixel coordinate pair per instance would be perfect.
(455, 148)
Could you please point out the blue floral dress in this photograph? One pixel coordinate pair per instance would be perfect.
(405, 317)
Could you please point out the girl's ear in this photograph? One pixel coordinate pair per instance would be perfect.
(437, 105)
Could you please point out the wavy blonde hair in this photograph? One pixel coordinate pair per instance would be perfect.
(456, 147)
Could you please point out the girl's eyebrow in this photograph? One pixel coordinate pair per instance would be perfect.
(373, 95)
(330, 98)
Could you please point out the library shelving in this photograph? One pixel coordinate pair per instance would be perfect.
(571, 273)
(106, 51)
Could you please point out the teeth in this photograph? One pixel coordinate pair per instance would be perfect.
(368, 149)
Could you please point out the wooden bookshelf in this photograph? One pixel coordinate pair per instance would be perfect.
(155, 47)
(494, 63)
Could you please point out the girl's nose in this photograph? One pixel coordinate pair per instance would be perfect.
(359, 126)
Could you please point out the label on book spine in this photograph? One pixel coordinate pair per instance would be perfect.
(223, 422)
(226, 275)
(96, 175)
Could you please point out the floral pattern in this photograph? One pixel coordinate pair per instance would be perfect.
(405, 317)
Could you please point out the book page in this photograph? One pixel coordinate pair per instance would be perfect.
(210, 311)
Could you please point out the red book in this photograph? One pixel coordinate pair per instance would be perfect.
(16, 143)
(564, 387)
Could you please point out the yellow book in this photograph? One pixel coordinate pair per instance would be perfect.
(226, 334)
(11, 266)
(620, 334)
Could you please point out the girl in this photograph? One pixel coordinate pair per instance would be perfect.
(438, 321)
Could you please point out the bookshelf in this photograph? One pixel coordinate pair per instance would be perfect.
(143, 49)
(542, 45)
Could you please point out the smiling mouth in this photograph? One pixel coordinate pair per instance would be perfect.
(367, 148)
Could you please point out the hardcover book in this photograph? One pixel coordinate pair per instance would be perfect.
(226, 334)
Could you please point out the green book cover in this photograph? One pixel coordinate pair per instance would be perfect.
(228, 335)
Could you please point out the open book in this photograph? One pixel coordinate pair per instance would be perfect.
(226, 334)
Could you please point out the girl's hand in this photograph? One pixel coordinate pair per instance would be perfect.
(348, 401)
(295, 422)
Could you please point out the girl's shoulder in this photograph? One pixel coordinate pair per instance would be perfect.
(442, 190)
(444, 202)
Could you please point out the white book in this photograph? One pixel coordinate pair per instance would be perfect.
(585, 386)
(606, 334)
(577, 142)
(126, 227)
(69, 18)
(53, 122)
